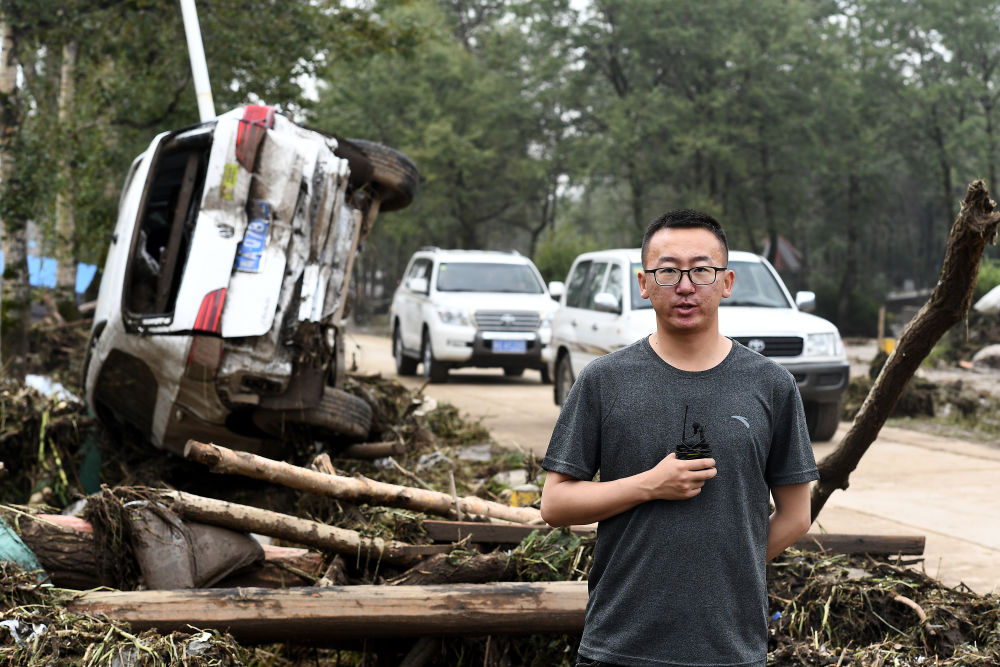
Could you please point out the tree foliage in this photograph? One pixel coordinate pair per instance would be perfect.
(847, 128)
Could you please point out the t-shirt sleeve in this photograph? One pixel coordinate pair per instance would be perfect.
(791, 459)
(575, 445)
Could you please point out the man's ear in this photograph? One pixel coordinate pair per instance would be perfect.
(642, 277)
(729, 278)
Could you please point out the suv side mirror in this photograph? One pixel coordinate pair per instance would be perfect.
(417, 285)
(606, 302)
(806, 301)
(556, 289)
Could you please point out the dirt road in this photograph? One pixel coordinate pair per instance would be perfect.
(909, 483)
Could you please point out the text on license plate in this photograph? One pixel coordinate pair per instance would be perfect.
(251, 249)
(510, 346)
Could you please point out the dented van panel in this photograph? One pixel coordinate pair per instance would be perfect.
(228, 277)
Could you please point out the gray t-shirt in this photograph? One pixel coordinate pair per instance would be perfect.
(682, 582)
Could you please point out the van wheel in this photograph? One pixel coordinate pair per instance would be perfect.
(338, 412)
(564, 379)
(434, 370)
(395, 174)
(404, 365)
(822, 420)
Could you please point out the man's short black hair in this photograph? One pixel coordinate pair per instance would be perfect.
(685, 218)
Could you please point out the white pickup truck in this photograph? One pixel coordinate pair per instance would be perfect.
(600, 310)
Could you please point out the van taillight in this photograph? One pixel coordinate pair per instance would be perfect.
(209, 318)
(257, 119)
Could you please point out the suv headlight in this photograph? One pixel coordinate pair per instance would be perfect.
(824, 345)
(456, 316)
(545, 321)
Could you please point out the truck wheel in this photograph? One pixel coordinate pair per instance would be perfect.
(395, 174)
(822, 420)
(564, 379)
(404, 365)
(434, 370)
(338, 413)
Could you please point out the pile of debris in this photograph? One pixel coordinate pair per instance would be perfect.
(412, 550)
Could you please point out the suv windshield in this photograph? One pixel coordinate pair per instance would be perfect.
(755, 286)
(482, 277)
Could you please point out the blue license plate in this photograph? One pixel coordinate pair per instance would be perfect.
(510, 346)
(254, 242)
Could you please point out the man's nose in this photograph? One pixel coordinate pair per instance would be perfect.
(685, 284)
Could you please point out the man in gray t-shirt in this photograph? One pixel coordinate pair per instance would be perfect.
(679, 567)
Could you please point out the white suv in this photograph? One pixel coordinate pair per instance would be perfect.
(602, 311)
(477, 308)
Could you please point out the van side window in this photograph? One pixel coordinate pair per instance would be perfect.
(574, 286)
(163, 236)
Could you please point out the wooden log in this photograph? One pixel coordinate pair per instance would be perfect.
(488, 533)
(471, 568)
(372, 450)
(485, 533)
(302, 531)
(355, 489)
(64, 546)
(876, 545)
(975, 226)
(327, 615)
(282, 567)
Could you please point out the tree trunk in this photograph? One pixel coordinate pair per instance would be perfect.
(848, 278)
(975, 226)
(16, 292)
(355, 489)
(317, 615)
(65, 244)
(294, 529)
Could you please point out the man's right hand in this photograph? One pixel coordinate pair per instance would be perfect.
(676, 479)
(568, 501)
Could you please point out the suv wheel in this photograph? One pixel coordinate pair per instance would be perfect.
(434, 370)
(564, 379)
(822, 420)
(404, 365)
(546, 378)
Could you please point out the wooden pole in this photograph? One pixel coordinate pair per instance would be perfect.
(975, 226)
(294, 529)
(356, 489)
(317, 615)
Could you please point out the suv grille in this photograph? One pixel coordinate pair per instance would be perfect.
(774, 346)
(501, 320)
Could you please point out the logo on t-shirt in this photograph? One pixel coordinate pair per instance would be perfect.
(742, 420)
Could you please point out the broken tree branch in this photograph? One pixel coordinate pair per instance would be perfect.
(356, 489)
(975, 226)
(293, 529)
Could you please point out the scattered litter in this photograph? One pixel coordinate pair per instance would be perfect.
(480, 452)
(50, 388)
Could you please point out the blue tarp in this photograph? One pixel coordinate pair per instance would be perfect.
(42, 272)
(14, 550)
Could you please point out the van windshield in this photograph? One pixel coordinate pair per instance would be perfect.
(485, 277)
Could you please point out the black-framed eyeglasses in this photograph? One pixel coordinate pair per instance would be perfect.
(668, 276)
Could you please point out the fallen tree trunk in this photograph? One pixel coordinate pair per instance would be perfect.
(975, 226)
(356, 489)
(65, 548)
(294, 529)
(318, 615)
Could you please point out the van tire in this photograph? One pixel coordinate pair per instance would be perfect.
(338, 413)
(395, 175)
